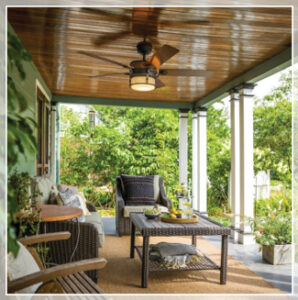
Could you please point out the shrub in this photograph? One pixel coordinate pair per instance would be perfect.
(99, 197)
(281, 202)
(215, 212)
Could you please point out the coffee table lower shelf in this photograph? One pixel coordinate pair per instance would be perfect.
(205, 263)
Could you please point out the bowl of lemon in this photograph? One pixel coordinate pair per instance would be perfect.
(152, 213)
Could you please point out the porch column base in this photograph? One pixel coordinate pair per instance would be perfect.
(204, 213)
(246, 239)
(235, 235)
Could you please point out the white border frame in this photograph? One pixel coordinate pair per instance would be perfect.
(158, 5)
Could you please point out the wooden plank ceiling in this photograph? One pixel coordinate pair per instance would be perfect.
(228, 41)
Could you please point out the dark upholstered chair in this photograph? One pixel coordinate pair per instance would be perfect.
(122, 210)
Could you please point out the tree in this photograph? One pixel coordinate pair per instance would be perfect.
(126, 141)
(218, 156)
(272, 131)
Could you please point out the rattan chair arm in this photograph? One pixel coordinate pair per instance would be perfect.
(163, 197)
(45, 237)
(54, 272)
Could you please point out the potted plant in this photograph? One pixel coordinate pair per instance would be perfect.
(26, 216)
(274, 234)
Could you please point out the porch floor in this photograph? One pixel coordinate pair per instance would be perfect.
(279, 276)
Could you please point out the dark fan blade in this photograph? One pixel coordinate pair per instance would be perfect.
(107, 75)
(185, 72)
(100, 41)
(158, 83)
(111, 15)
(104, 59)
(162, 55)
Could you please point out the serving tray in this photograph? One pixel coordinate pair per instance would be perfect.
(194, 219)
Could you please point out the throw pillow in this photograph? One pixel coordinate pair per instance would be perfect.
(54, 197)
(71, 198)
(62, 188)
(139, 190)
(24, 264)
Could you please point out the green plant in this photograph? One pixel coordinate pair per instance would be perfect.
(99, 197)
(27, 218)
(281, 201)
(23, 217)
(273, 229)
(215, 212)
(20, 128)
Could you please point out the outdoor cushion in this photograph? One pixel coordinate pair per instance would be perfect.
(43, 186)
(24, 264)
(140, 208)
(96, 220)
(138, 190)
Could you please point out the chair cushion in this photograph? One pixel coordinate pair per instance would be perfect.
(96, 220)
(24, 264)
(138, 190)
(140, 208)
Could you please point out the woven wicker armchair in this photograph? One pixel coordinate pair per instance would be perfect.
(60, 251)
(123, 223)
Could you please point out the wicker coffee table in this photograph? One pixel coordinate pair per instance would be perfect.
(205, 226)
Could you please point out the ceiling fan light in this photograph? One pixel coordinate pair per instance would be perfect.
(142, 83)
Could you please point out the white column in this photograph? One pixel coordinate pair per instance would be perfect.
(235, 163)
(183, 148)
(53, 144)
(195, 166)
(246, 161)
(202, 160)
(57, 150)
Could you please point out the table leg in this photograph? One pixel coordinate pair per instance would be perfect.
(224, 259)
(145, 262)
(132, 240)
(194, 240)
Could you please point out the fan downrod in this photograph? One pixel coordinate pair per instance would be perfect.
(144, 48)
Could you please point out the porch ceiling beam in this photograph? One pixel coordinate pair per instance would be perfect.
(265, 69)
(120, 102)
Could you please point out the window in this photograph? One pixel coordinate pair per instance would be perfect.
(43, 111)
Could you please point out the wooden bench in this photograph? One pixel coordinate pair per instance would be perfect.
(67, 278)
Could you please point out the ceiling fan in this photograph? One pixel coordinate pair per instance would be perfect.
(140, 21)
(144, 74)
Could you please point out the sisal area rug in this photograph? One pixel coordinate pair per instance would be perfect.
(123, 275)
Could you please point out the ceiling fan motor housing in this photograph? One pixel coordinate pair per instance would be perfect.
(144, 48)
